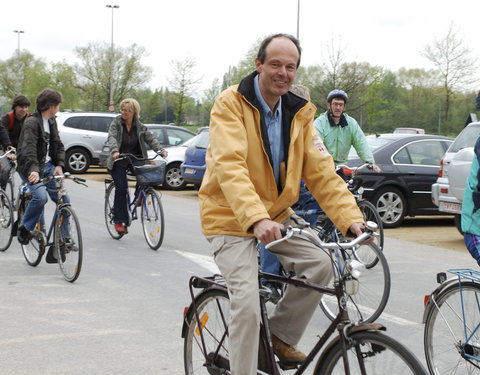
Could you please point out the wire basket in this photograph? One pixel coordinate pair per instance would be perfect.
(150, 174)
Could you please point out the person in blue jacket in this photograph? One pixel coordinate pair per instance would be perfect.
(471, 207)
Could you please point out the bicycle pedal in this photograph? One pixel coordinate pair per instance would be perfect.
(287, 366)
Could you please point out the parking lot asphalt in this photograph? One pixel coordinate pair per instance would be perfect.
(436, 231)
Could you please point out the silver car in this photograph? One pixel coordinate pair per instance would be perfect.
(83, 135)
(447, 192)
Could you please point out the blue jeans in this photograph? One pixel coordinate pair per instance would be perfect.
(473, 245)
(269, 262)
(34, 211)
(120, 209)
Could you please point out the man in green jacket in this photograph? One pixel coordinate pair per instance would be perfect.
(340, 132)
(261, 146)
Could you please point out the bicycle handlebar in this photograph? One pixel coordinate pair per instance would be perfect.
(131, 156)
(354, 169)
(11, 151)
(66, 175)
(371, 227)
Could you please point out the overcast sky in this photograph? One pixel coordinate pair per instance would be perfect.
(218, 33)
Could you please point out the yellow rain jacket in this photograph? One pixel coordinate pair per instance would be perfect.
(239, 186)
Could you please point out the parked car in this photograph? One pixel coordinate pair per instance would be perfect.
(83, 135)
(447, 192)
(409, 131)
(175, 139)
(410, 164)
(193, 168)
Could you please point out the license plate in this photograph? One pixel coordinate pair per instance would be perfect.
(456, 208)
(190, 170)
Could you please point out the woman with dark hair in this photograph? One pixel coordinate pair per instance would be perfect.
(127, 135)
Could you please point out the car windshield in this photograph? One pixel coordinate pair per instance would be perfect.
(375, 142)
(466, 138)
(201, 140)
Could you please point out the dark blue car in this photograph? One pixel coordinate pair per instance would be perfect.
(193, 167)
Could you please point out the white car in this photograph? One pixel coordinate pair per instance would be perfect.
(83, 135)
(447, 192)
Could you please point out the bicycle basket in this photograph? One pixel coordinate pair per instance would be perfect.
(5, 168)
(150, 174)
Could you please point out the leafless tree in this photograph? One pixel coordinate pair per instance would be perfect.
(455, 64)
(183, 84)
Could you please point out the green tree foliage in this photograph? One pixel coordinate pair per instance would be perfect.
(99, 63)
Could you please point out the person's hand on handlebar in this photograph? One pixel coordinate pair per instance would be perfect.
(11, 155)
(357, 229)
(376, 168)
(115, 155)
(33, 177)
(163, 153)
(267, 231)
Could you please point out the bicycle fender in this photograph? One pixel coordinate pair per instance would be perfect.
(187, 315)
(355, 329)
(433, 296)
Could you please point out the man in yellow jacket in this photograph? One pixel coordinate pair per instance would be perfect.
(260, 148)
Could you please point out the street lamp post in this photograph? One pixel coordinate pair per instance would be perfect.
(298, 19)
(111, 106)
(18, 32)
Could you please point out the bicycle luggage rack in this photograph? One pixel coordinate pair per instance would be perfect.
(466, 273)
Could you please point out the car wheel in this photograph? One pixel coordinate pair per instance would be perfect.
(458, 223)
(173, 178)
(77, 160)
(391, 206)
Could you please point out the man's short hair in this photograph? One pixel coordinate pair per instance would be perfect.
(262, 51)
(20, 100)
(48, 98)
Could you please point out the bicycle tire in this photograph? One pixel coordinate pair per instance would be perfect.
(372, 297)
(379, 353)
(108, 211)
(33, 251)
(10, 190)
(68, 243)
(153, 223)
(213, 307)
(444, 334)
(370, 213)
(6, 221)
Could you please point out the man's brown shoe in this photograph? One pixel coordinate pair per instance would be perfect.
(287, 353)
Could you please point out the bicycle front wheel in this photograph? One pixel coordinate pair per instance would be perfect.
(373, 292)
(370, 213)
(108, 211)
(6, 221)
(451, 339)
(213, 307)
(369, 352)
(68, 243)
(153, 223)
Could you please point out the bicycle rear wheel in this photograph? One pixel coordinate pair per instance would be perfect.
(375, 351)
(373, 291)
(446, 347)
(68, 243)
(213, 307)
(108, 211)
(153, 223)
(34, 250)
(6, 221)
